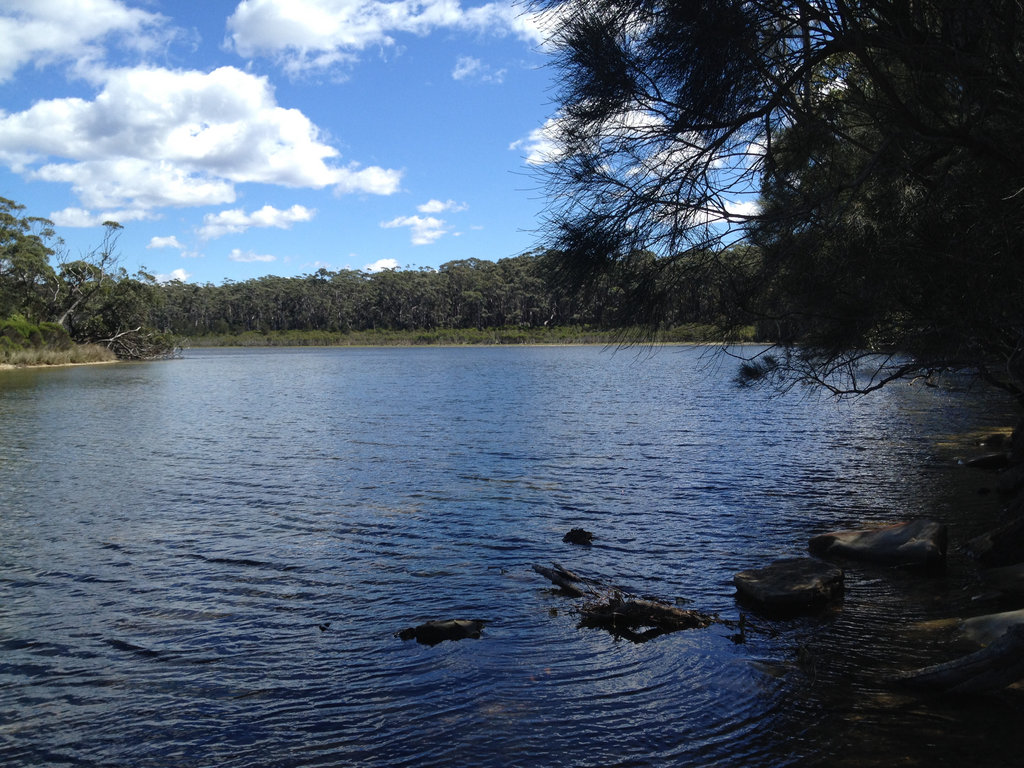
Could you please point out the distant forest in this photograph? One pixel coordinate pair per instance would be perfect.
(50, 312)
(522, 292)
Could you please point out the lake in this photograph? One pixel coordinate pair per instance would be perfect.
(204, 562)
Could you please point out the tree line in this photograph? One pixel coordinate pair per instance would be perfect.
(524, 291)
(48, 300)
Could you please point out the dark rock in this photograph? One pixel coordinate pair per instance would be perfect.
(1011, 481)
(434, 632)
(999, 460)
(1009, 579)
(578, 536)
(919, 542)
(1000, 546)
(793, 585)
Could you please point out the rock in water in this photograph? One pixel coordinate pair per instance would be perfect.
(790, 586)
(919, 542)
(434, 632)
(578, 536)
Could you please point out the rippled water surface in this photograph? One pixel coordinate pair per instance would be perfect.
(204, 562)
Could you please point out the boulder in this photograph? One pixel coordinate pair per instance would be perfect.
(790, 586)
(1000, 546)
(919, 542)
(434, 632)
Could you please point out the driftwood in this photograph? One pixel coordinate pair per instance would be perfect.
(607, 608)
(993, 668)
(573, 583)
(623, 617)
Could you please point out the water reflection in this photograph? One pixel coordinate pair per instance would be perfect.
(176, 536)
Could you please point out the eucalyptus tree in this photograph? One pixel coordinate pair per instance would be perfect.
(869, 150)
(27, 280)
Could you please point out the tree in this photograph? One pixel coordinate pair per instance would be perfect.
(881, 139)
(27, 280)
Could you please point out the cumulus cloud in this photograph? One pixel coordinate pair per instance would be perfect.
(165, 242)
(310, 34)
(236, 220)
(177, 274)
(380, 265)
(156, 137)
(245, 257)
(436, 206)
(424, 229)
(73, 30)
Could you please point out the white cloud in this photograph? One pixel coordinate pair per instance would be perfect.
(245, 257)
(165, 242)
(80, 217)
(156, 137)
(424, 230)
(177, 274)
(380, 265)
(469, 68)
(236, 220)
(314, 34)
(436, 206)
(542, 145)
(739, 210)
(46, 32)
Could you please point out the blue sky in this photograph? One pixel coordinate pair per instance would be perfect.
(239, 139)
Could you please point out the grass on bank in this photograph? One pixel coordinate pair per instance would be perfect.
(76, 355)
(26, 343)
(687, 334)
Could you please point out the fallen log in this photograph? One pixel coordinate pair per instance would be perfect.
(573, 583)
(610, 608)
(624, 616)
(993, 668)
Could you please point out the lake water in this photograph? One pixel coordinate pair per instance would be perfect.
(204, 562)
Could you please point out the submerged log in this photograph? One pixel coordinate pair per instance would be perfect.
(993, 668)
(434, 632)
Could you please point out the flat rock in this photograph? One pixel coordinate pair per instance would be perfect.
(792, 585)
(919, 542)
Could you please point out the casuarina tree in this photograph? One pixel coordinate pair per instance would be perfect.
(858, 164)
